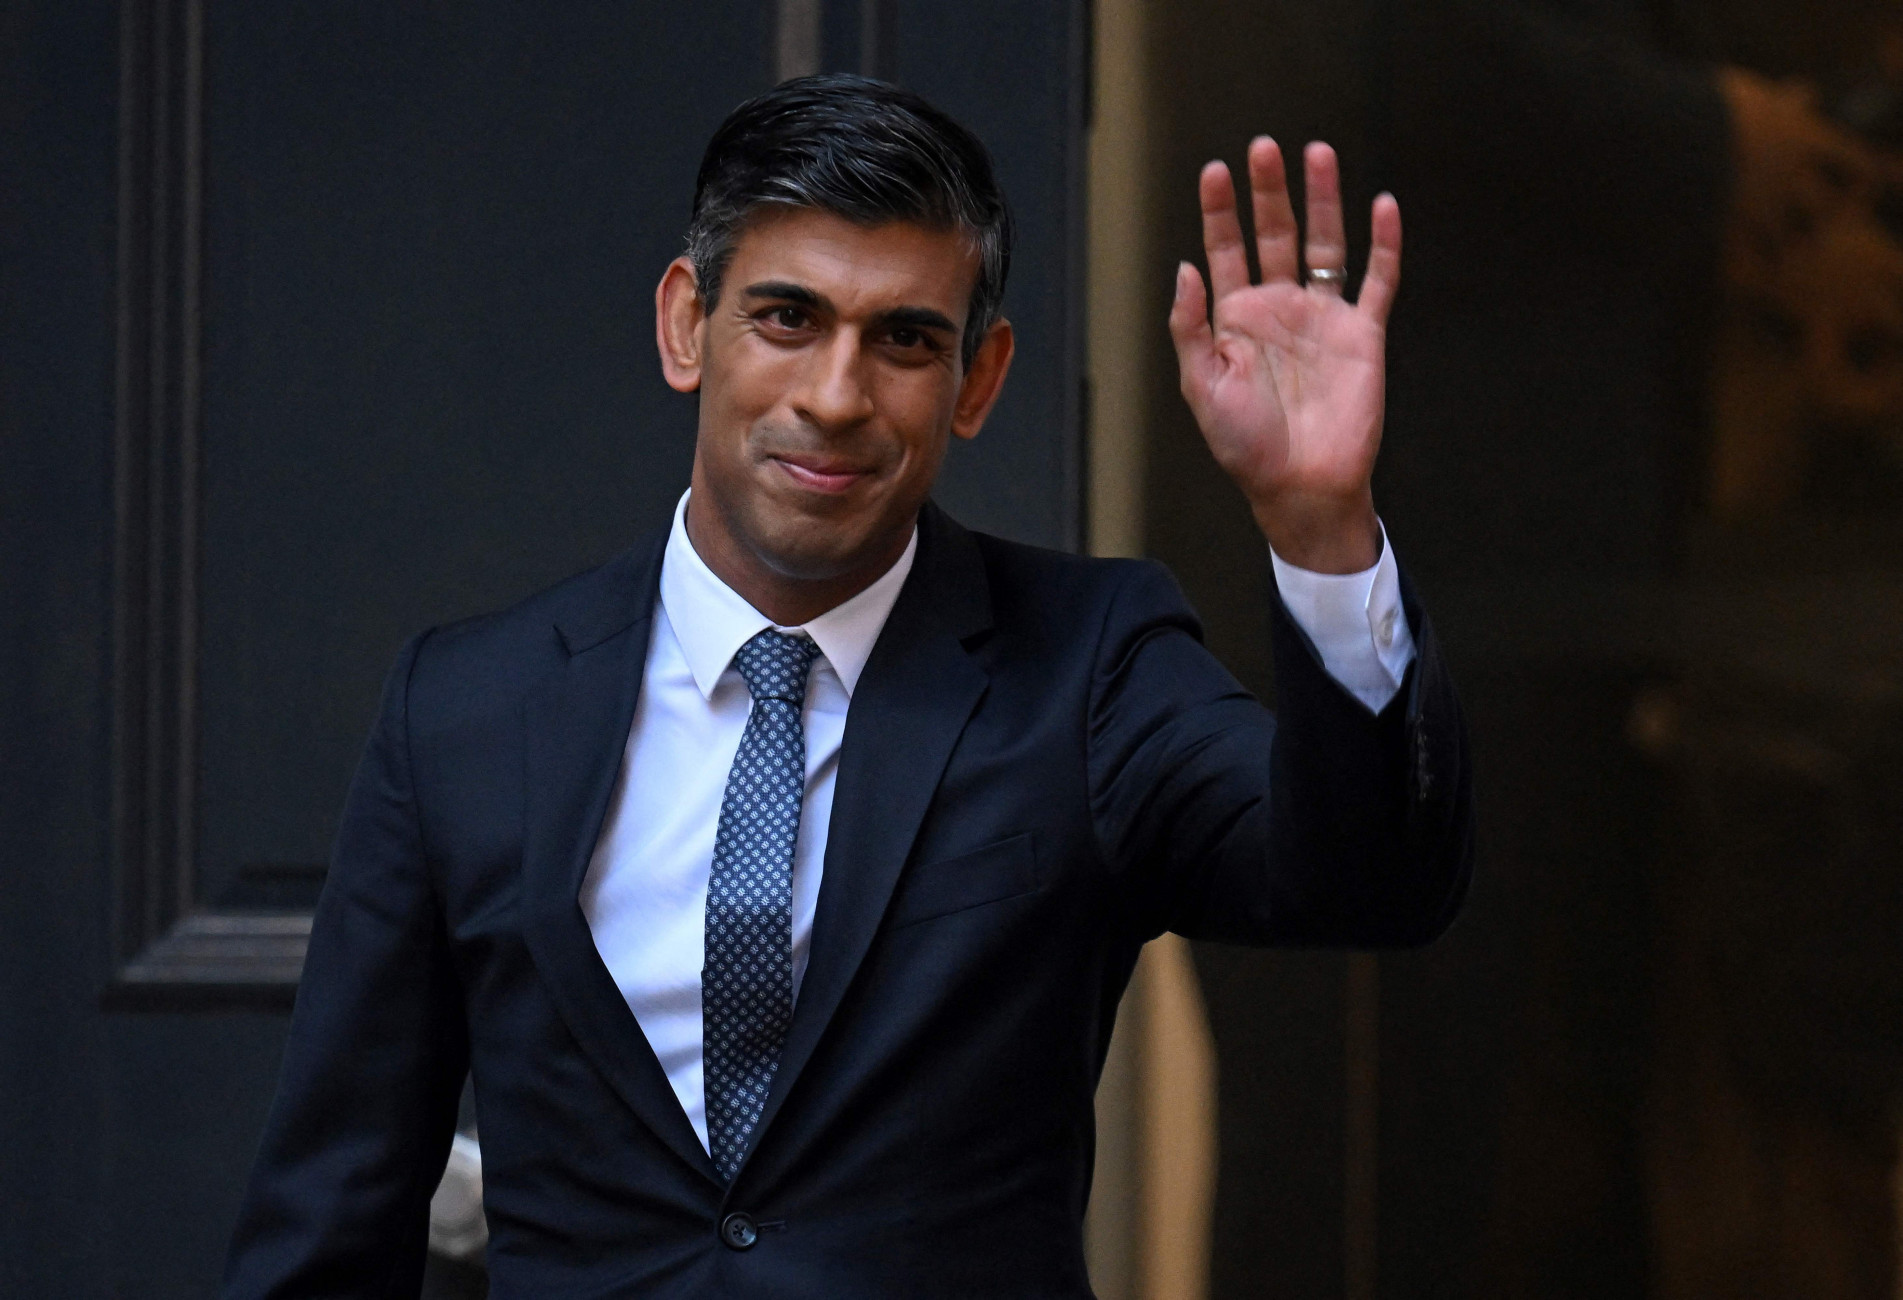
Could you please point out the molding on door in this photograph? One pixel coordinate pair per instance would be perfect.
(170, 951)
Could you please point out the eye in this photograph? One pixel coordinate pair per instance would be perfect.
(787, 317)
(913, 343)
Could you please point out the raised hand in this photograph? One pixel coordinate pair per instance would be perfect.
(1289, 384)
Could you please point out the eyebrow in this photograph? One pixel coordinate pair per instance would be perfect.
(918, 318)
(786, 291)
(904, 317)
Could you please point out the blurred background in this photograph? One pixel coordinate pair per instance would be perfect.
(323, 323)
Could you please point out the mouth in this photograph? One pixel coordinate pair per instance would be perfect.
(820, 473)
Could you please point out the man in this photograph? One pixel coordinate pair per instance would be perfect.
(777, 881)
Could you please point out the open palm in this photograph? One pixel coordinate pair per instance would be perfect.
(1288, 381)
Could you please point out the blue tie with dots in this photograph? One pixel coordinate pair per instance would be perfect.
(747, 982)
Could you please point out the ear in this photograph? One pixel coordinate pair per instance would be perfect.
(984, 380)
(679, 316)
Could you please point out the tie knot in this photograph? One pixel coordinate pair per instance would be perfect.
(774, 665)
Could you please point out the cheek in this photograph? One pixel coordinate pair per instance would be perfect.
(749, 378)
(725, 394)
(918, 404)
(733, 401)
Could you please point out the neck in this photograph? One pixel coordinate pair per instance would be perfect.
(788, 600)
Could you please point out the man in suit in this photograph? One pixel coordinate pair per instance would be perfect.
(778, 880)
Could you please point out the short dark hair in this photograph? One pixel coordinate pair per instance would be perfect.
(860, 149)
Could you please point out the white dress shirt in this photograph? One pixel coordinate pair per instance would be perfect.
(1356, 622)
(645, 895)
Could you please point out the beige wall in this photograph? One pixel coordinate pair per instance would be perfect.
(1150, 1211)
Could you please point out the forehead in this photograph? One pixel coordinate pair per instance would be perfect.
(858, 268)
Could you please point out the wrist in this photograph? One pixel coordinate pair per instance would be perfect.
(1322, 535)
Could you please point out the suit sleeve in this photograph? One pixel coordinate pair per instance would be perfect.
(338, 1203)
(1324, 824)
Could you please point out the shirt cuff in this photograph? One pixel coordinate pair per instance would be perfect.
(1356, 622)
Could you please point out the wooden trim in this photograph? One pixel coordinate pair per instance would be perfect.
(1117, 292)
(1080, 46)
(796, 39)
(212, 960)
(169, 951)
(878, 38)
(1178, 1174)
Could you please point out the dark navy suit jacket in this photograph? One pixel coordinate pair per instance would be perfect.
(1043, 768)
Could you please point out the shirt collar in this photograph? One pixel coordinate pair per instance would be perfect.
(712, 620)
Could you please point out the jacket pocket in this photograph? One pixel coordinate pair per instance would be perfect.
(987, 875)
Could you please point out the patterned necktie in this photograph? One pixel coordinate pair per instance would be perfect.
(747, 983)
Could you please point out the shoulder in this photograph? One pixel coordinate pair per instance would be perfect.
(1076, 597)
(500, 653)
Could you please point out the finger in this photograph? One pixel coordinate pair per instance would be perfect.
(1189, 330)
(1275, 234)
(1383, 279)
(1327, 246)
(1222, 231)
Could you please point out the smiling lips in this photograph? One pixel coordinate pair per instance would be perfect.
(819, 474)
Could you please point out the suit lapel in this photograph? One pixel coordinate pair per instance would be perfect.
(912, 702)
(577, 733)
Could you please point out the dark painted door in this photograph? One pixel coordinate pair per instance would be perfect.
(320, 323)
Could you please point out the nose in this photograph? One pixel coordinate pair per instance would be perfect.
(838, 391)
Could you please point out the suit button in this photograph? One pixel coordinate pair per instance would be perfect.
(739, 1232)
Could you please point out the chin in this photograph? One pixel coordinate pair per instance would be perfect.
(811, 549)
